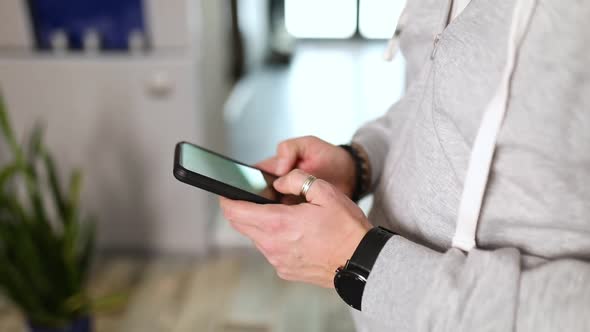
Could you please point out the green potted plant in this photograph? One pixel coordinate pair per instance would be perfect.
(45, 241)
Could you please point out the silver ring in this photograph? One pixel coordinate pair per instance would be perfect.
(306, 185)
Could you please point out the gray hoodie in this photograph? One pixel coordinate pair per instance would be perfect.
(531, 270)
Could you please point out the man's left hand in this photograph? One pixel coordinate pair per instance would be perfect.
(305, 242)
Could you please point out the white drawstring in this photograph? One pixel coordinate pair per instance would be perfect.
(458, 8)
(393, 43)
(485, 141)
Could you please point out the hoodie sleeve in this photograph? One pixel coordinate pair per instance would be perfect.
(414, 288)
(375, 137)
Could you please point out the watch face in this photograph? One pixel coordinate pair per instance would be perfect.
(350, 286)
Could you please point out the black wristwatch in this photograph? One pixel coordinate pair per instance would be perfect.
(350, 279)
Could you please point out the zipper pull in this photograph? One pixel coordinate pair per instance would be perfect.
(435, 46)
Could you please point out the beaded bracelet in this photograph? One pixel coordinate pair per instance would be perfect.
(362, 180)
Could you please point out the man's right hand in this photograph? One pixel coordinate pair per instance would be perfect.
(317, 157)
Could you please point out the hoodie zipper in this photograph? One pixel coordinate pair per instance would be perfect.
(444, 27)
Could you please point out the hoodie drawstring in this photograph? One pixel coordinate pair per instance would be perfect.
(484, 145)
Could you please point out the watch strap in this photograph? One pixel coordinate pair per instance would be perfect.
(369, 248)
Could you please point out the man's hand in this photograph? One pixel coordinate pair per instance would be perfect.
(314, 156)
(305, 242)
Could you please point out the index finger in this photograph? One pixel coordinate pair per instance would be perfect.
(268, 165)
(288, 152)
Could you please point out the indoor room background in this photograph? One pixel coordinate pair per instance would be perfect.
(118, 83)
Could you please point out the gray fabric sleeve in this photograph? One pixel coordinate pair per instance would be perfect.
(419, 289)
(374, 138)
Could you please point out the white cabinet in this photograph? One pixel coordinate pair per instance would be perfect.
(118, 118)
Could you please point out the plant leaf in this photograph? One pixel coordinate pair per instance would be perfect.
(54, 186)
(12, 207)
(26, 253)
(34, 189)
(42, 268)
(69, 255)
(87, 250)
(74, 194)
(17, 290)
(35, 142)
(9, 172)
(6, 129)
(110, 303)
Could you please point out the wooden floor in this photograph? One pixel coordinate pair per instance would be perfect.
(232, 292)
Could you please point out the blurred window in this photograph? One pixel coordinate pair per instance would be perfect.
(337, 19)
(321, 18)
(378, 18)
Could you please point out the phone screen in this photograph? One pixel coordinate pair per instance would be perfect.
(216, 167)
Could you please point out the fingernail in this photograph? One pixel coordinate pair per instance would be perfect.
(277, 182)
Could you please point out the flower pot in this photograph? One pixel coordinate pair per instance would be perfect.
(83, 324)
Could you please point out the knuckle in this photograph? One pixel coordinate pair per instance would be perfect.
(295, 177)
(298, 172)
(269, 248)
(314, 140)
(273, 260)
(228, 214)
(284, 148)
(283, 275)
(233, 224)
(274, 226)
(328, 190)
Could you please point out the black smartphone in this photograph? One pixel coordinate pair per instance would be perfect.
(223, 176)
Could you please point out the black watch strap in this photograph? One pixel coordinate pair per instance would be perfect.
(369, 248)
(350, 280)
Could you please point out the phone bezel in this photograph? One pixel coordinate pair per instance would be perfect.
(214, 186)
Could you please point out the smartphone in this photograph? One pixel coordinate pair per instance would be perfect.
(223, 176)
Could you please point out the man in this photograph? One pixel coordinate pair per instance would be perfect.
(482, 171)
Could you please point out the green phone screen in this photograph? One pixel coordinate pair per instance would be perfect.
(224, 170)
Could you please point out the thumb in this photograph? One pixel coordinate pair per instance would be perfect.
(320, 192)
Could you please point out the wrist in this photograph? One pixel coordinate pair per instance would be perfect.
(347, 248)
